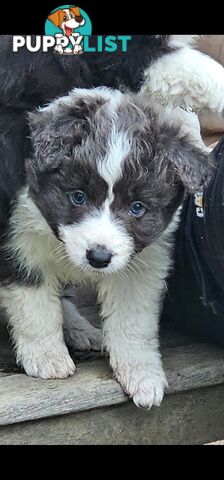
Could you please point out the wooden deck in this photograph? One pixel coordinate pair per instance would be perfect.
(91, 408)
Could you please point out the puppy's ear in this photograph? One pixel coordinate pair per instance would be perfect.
(64, 124)
(54, 132)
(79, 18)
(76, 11)
(176, 153)
(193, 166)
(55, 18)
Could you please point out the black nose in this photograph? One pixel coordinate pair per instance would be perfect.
(98, 257)
(78, 18)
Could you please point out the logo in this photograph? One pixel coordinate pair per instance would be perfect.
(68, 29)
(68, 24)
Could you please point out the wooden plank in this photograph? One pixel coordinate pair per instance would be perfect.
(192, 417)
(85, 299)
(23, 398)
(7, 358)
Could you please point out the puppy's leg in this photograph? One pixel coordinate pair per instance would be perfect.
(78, 332)
(35, 316)
(186, 77)
(131, 308)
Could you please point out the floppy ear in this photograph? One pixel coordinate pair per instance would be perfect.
(55, 17)
(76, 11)
(54, 133)
(56, 129)
(192, 166)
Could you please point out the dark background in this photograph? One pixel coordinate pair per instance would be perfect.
(117, 17)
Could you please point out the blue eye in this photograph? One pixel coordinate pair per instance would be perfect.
(77, 198)
(137, 209)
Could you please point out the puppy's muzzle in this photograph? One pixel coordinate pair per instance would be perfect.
(99, 257)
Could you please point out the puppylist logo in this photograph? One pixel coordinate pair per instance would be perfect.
(68, 25)
(68, 29)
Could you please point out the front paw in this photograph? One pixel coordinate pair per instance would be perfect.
(145, 385)
(59, 49)
(79, 334)
(84, 340)
(77, 50)
(46, 363)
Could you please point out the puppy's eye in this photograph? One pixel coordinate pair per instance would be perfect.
(137, 209)
(72, 15)
(77, 198)
(65, 18)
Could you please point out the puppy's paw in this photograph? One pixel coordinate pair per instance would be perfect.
(149, 392)
(79, 334)
(84, 340)
(77, 50)
(58, 49)
(47, 364)
(145, 385)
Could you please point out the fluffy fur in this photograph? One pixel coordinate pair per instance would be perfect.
(187, 77)
(165, 67)
(116, 150)
(153, 64)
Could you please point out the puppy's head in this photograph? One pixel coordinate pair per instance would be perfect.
(107, 175)
(67, 19)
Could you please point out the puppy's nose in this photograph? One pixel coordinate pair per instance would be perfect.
(79, 18)
(98, 257)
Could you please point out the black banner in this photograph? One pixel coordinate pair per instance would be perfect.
(113, 17)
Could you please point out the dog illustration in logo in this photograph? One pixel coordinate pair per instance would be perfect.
(68, 20)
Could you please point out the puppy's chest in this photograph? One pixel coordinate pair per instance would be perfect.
(32, 245)
(49, 256)
(59, 266)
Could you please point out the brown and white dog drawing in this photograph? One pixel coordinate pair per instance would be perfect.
(68, 19)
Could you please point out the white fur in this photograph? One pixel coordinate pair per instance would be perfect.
(97, 229)
(131, 307)
(186, 121)
(186, 77)
(110, 169)
(36, 327)
(131, 291)
(179, 41)
(131, 300)
(113, 96)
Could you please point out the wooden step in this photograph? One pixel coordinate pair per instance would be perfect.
(85, 407)
(188, 367)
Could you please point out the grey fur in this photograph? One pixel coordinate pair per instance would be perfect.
(71, 137)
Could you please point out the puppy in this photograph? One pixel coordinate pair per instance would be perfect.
(68, 20)
(100, 201)
(31, 79)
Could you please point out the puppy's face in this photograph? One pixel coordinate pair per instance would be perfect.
(67, 19)
(107, 176)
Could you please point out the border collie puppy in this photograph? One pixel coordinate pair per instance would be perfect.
(103, 186)
(164, 67)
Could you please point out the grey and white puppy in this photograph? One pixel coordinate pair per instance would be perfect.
(101, 202)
